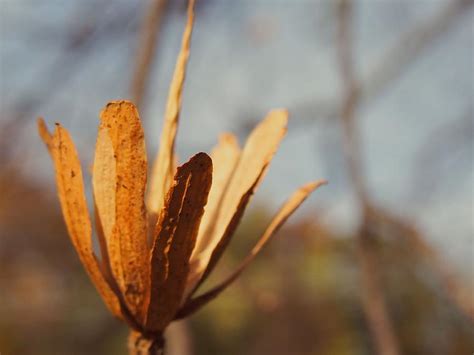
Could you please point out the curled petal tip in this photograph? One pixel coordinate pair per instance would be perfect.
(281, 113)
(314, 184)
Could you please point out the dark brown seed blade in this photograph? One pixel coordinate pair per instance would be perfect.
(175, 238)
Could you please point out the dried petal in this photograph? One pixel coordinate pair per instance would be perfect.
(225, 157)
(104, 181)
(104, 185)
(285, 211)
(256, 155)
(163, 171)
(105, 261)
(44, 134)
(127, 244)
(175, 239)
(74, 207)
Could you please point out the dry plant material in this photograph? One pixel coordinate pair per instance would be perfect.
(191, 212)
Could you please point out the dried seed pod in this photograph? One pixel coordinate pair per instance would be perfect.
(191, 212)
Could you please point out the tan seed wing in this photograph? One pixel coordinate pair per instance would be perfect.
(45, 135)
(255, 157)
(282, 215)
(225, 157)
(127, 246)
(163, 172)
(105, 261)
(74, 207)
(175, 239)
(104, 181)
(104, 185)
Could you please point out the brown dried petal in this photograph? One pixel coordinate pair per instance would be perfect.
(175, 239)
(127, 245)
(74, 207)
(255, 157)
(163, 171)
(225, 157)
(285, 211)
(104, 181)
(44, 134)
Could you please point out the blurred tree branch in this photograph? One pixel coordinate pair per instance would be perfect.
(397, 228)
(410, 46)
(396, 59)
(373, 215)
(78, 45)
(373, 299)
(146, 49)
(451, 142)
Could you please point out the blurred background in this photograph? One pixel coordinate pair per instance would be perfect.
(380, 94)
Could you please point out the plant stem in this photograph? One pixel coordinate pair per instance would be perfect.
(138, 344)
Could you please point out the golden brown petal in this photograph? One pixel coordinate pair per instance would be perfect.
(255, 157)
(163, 172)
(175, 238)
(44, 134)
(74, 207)
(285, 211)
(104, 185)
(127, 237)
(225, 157)
(104, 181)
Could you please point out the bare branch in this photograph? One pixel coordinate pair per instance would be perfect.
(395, 60)
(146, 49)
(373, 300)
(396, 228)
(441, 147)
(349, 101)
(409, 46)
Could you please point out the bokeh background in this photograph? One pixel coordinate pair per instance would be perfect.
(380, 94)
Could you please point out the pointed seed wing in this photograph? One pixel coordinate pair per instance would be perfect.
(175, 239)
(163, 172)
(254, 160)
(74, 207)
(104, 181)
(127, 239)
(285, 211)
(46, 137)
(225, 157)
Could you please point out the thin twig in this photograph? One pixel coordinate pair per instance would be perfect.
(391, 65)
(350, 97)
(451, 142)
(373, 300)
(146, 49)
(454, 289)
(409, 46)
